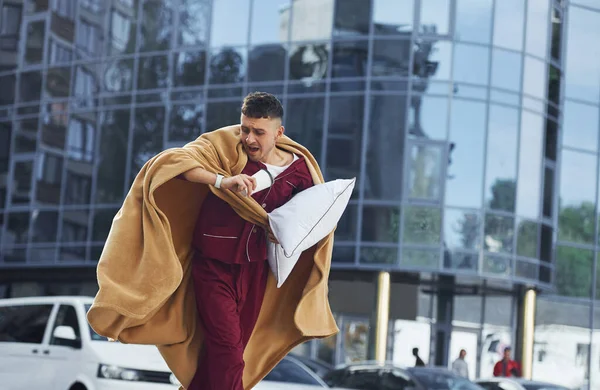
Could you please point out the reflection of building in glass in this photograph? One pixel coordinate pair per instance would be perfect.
(472, 127)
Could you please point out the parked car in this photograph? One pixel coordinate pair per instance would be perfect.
(374, 376)
(46, 343)
(517, 384)
(291, 373)
(317, 366)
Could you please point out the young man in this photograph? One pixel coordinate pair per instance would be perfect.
(507, 367)
(460, 366)
(230, 268)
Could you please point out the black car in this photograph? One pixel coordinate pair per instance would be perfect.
(373, 376)
(319, 367)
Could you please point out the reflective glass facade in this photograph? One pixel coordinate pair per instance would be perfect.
(445, 114)
(472, 127)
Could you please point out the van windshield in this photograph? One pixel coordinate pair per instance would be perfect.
(95, 336)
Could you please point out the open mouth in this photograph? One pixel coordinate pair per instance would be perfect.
(252, 149)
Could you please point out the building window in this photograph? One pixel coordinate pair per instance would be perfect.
(85, 88)
(81, 141)
(73, 233)
(56, 114)
(10, 24)
(120, 29)
(87, 37)
(92, 5)
(59, 53)
(78, 190)
(49, 168)
(64, 8)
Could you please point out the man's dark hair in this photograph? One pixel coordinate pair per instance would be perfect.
(262, 105)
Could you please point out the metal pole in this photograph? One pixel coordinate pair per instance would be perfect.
(382, 316)
(528, 324)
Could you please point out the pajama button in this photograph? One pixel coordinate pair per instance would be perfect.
(264, 205)
(254, 230)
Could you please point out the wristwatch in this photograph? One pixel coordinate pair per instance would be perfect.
(219, 180)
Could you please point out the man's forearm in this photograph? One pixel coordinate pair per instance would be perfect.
(199, 175)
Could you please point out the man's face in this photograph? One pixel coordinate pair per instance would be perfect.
(507, 354)
(463, 354)
(259, 135)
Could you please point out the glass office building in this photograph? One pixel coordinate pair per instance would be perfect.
(472, 127)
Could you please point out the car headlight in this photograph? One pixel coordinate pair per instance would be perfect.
(114, 372)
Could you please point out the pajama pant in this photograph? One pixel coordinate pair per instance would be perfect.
(228, 299)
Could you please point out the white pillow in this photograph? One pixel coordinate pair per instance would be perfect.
(280, 265)
(304, 221)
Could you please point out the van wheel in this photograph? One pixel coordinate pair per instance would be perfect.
(77, 386)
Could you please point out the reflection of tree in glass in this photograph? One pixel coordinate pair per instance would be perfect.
(503, 195)
(226, 67)
(527, 239)
(468, 228)
(496, 265)
(422, 225)
(573, 265)
(498, 236)
(267, 63)
(157, 26)
(153, 72)
(375, 255)
(193, 22)
(421, 258)
(498, 229)
(186, 123)
(573, 271)
(191, 68)
(576, 223)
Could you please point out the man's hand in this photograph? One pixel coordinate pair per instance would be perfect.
(240, 183)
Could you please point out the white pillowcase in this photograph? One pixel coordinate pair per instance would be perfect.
(304, 221)
(280, 265)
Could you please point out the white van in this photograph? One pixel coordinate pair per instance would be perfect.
(46, 343)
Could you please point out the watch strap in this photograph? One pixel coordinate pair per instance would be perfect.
(219, 180)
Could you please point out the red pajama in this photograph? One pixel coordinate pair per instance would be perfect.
(230, 276)
(229, 297)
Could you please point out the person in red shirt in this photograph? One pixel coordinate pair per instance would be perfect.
(507, 367)
(230, 268)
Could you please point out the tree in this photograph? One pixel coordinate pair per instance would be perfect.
(226, 67)
(503, 195)
(156, 26)
(574, 271)
(576, 223)
(574, 265)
